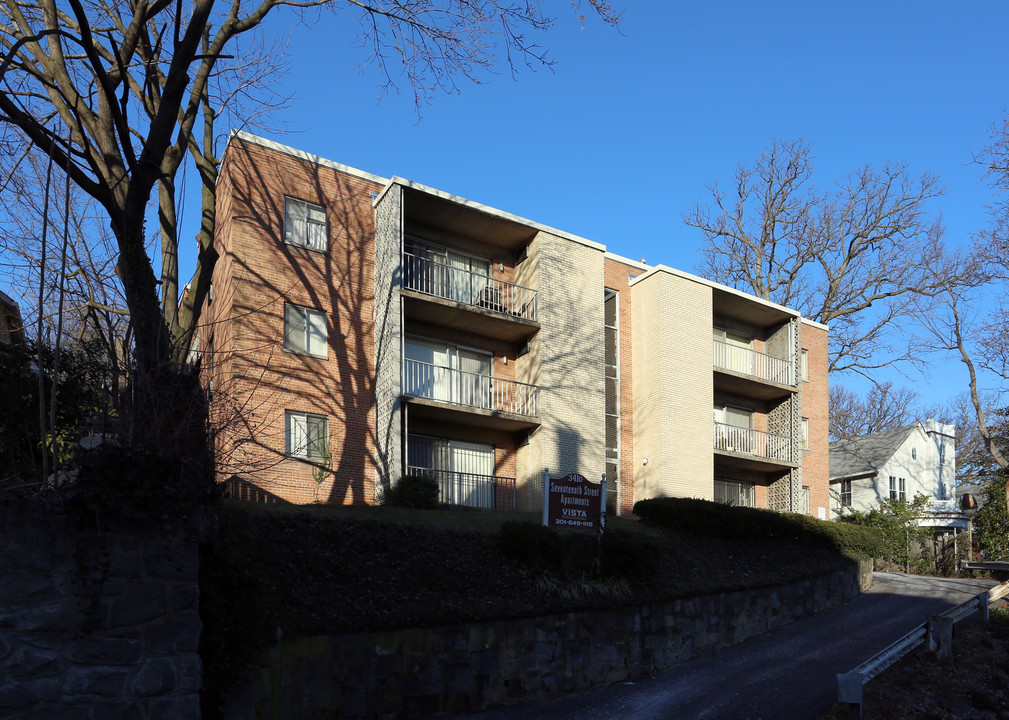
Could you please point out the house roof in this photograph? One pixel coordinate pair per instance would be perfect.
(864, 455)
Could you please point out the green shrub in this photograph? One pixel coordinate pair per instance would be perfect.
(414, 491)
(711, 519)
(535, 547)
(632, 556)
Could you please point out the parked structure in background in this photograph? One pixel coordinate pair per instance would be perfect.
(362, 328)
(898, 464)
(11, 327)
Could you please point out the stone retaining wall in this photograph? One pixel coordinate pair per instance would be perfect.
(482, 665)
(95, 626)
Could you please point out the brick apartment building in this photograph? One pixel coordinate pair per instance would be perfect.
(362, 328)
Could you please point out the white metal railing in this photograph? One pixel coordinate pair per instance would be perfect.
(470, 489)
(850, 684)
(752, 442)
(752, 362)
(465, 286)
(424, 380)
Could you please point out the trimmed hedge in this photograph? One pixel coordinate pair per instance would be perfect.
(703, 517)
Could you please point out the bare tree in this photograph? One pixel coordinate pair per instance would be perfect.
(120, 94)
(853, 257)
(883, 408)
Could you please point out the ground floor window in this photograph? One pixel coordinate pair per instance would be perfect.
(306, 435)
(733, 492)
(846, 493)
(897, 488)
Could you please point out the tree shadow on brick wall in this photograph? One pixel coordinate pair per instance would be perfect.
(257, 379)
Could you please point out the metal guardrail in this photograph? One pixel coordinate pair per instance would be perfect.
(474, 390)
(476, 289)
(850, 684)
(753, 362)
(752, 442)
(470, 489)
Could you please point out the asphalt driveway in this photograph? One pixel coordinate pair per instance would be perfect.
(787, 674)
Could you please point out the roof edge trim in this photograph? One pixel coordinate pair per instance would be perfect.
(302, 155)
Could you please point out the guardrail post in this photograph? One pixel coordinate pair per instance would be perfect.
(849, 689)
(940, 637)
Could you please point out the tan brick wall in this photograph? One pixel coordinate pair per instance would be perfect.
(814, 395)
(259, 273)
(672, 366)
(566, 362)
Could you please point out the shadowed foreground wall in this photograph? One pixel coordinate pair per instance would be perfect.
(95, 626)
(482, 665)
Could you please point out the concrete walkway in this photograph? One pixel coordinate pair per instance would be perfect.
(787, 674)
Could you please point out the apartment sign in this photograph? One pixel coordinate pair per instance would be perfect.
(573, 502)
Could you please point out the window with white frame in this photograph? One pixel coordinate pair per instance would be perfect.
(733, 492)
(304, 224)
(845, 493)
(804, 365)
(805, 433)
(897, 488)
(805, 500)
(305, 330)
(306, 435)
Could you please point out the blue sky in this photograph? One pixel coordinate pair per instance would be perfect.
(628, 129)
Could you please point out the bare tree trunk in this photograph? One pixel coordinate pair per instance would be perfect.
(39, 345)
(59, 323)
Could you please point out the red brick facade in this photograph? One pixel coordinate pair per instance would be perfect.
(814, 390)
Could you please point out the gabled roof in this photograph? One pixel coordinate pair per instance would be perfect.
(864, 455)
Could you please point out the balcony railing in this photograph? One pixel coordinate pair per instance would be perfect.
(752, 442)
(467, 287)
(470, 489)
(751, 362)
(424, 380)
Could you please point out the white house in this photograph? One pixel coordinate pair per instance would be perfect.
(898, 464)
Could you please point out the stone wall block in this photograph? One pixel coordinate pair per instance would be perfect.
(100, 680)
(105, 651)
(170, 560)
(175, 708)
(156, 677)
(123, 565)
(177, 633)
(141, 603)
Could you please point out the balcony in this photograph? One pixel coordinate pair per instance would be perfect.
(469, 489)
(753, 445)
(505, 404)
(766, 376)
(468, 300)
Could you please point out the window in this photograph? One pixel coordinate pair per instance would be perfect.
(805, 433)
(733, 350)
(731, 492)
(450, 373)
(804, 365)
(897, 488)
(304, 224)
(304, 330)
(306, 435)
(805, 500)
(611, 351)
(914, 453)
(846, 493)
